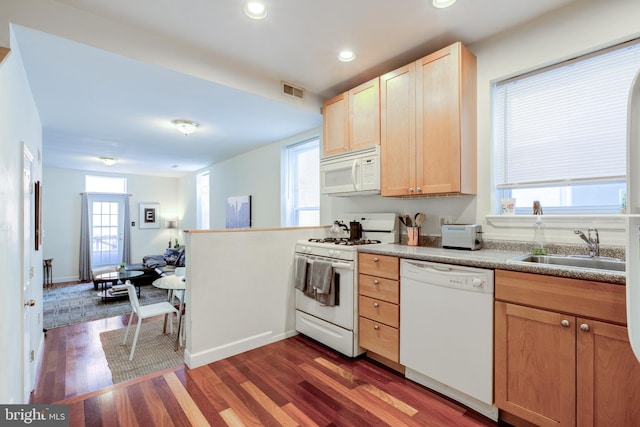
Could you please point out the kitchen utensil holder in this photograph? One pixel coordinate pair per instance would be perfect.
(413, 236)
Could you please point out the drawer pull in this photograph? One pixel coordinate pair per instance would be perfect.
(376, 327)
(375, 281)
(565, 323)
(375, 260)
(375, 304)
(584, 327)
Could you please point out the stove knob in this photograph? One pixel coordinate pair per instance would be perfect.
(336, 254)
(331, 252)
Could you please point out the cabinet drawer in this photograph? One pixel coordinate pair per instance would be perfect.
(379, 288)
(379, 265)
(586, 298)
(379, 311)
(379, 338)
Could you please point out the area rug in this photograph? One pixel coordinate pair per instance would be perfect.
(78, 302)
(154, 351)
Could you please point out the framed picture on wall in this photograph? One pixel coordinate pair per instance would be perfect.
(238, 212)
(149, 215)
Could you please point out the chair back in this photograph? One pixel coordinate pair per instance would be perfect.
(133, 297)
(101, 270)
(180, 271)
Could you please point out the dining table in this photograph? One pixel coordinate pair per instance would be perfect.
(173, 283)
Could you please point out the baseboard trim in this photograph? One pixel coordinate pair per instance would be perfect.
(201, 358)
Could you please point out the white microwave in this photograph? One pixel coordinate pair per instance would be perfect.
(354, 173)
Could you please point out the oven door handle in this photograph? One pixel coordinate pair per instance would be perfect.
(341, 265)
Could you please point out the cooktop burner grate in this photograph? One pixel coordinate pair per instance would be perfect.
(345, 241)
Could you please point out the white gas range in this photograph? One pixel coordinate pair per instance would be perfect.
(335, 324)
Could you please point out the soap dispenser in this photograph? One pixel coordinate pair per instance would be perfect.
(539, 241)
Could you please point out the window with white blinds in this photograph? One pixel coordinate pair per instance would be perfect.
(560, 133)
(302, 191)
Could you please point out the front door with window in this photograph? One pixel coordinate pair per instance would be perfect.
(107, 229)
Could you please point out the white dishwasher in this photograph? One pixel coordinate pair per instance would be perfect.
(446, 331)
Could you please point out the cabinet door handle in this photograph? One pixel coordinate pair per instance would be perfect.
(376, 327)
(375, 304)
(418, 190)
(410, 189)
(565, 323)
(584, 327)
(375, 281)
(375, 260)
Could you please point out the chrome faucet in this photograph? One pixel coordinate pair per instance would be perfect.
(593, 242)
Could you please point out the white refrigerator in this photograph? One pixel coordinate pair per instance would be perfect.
(633, 217)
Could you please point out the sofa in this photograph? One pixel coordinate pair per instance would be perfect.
(155, 266)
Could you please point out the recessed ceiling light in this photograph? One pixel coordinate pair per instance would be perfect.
(346, 56)
(440, 4)
(255, 10)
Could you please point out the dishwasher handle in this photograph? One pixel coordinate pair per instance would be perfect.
(431, 267)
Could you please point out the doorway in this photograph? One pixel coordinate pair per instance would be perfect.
(29, 313)
(106, 216)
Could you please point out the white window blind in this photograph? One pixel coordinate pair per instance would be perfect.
(566, 124)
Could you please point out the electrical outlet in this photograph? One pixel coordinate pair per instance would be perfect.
(446, 219)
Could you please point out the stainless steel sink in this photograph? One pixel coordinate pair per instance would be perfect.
(576, 261)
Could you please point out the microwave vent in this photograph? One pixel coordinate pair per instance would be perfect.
(293, 91)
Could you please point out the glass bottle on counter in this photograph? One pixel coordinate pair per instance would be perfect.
(539, 242)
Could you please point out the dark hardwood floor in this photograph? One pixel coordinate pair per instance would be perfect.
(291, 382)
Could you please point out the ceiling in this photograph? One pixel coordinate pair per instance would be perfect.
(95, 103)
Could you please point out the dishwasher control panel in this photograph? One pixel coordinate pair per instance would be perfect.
(453, 276)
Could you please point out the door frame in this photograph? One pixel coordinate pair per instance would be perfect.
(28, 318)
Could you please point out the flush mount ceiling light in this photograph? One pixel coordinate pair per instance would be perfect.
(255, 10)
(185, 127)
(441, 4)
(346, 56)
(109, 161)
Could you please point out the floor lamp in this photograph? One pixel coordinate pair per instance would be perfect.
(171, 224)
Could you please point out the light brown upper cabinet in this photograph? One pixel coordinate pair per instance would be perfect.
(352, 119)
(428, 125)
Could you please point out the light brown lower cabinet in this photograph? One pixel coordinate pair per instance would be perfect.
(378, 305)
(558, 368)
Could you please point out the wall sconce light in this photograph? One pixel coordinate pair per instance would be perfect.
(185, 127)
(109, 161)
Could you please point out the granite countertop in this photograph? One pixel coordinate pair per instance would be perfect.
(492, 259)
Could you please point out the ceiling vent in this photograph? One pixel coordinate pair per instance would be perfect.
(293, 91)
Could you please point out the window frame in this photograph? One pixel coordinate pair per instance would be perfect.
(290, 210)
(203, 204)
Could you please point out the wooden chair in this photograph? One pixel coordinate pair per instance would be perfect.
(143, 312)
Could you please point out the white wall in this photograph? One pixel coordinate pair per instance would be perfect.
(240, 292)
(61, 217)
(257, 173)
(20, 123)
